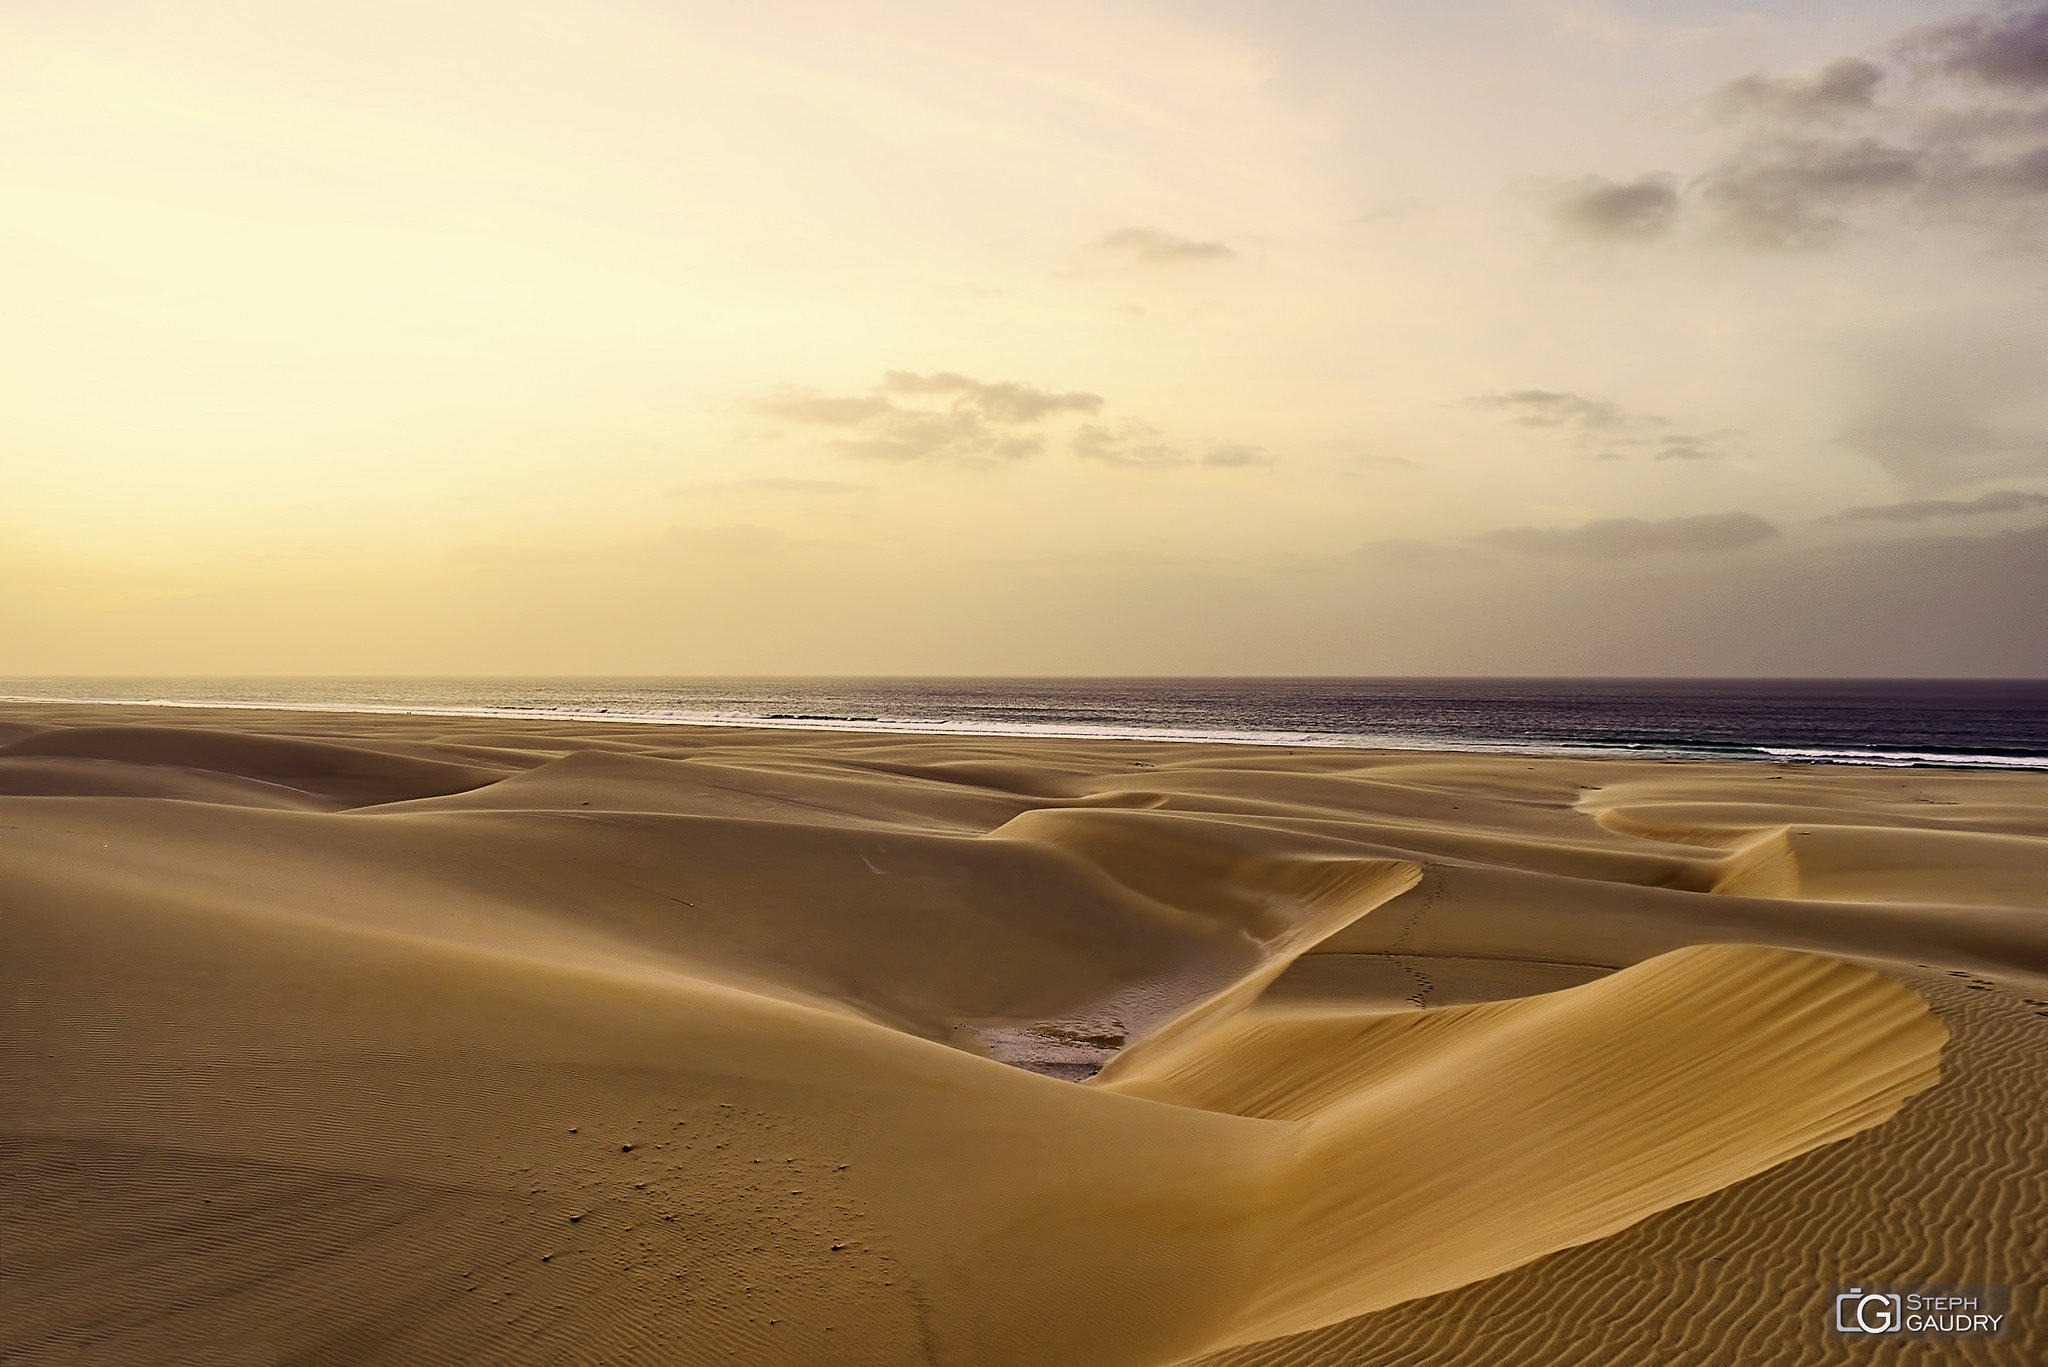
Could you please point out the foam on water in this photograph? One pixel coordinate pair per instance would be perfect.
(1976, 724)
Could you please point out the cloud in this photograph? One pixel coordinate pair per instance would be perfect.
(1793, 193)
(999, 402)
(1139, 446)
(1963, 139)
(1944, 408)
(1552, 408)
(977, 422)
(1946, 124)
(1604, 210)
(2007, 47)
(915, 417)
(1843, 87)
(1150, 247)
(1695, 445)
(958, 434)
(1607, 429)
(1625, 538)
(1131, 444)
(2003, 501)
(1238, 457)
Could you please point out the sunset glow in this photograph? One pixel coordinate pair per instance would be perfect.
(632, 336)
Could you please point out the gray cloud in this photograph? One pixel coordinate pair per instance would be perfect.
(1600, 209)
(1625, 538)
(1607, 429)
(1131, 444)
(1238, 457)
(975, 422)
(982, 422)
(1843, 87)
(999, 402)
(1946, 124)
(1552, 408)
(1964, 139)
(958, 434)
(1150, 247)
(1138, 446)
(2003, 47)
(1792, 193)
(1920, 510)
(1695, 445)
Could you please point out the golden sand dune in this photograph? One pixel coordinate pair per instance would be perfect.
(337, 1039)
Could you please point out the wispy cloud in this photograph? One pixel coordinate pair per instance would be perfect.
(1554, 408)
(912, 416)
(1598, 209)
(1139, 446)
(1238, 457)
(2005, 47)
(1150, 247)
(1605, 428)
(1626, 538)
(1131, 444)
(1921, 510)
(1714, 445)
(940, 416)
(1839, 90)
(1002, 401)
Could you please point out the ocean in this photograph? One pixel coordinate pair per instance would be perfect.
(1973, 724)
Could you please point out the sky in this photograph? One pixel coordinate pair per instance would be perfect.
(1245, 337)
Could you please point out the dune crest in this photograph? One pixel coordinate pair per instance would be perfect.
(494, 1046)
(333, 775)
(1443, 1147)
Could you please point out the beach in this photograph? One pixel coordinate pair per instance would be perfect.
(384, 1038)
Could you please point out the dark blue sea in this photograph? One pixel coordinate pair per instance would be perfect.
(1977, 724)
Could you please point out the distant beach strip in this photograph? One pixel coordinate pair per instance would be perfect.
(1968, 724)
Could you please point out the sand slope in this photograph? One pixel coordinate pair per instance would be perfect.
(344, 1038)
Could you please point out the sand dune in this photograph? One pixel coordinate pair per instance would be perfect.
(391, 1039)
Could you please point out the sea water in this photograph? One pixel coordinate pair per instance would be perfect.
(1978, 724)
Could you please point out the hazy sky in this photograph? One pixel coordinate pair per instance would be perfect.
(1226, 336)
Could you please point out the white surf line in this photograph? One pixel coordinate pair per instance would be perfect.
(1694, 752)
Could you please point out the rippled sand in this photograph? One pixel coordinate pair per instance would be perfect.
(341, 1038)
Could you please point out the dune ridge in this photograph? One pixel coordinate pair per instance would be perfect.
(389, 1039)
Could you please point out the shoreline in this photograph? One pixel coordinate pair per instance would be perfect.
(1657, 752)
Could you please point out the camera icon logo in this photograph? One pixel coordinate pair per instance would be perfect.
(1877, 1310)
(1874, 1312)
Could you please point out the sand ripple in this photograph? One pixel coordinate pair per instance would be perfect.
(360, 1039)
